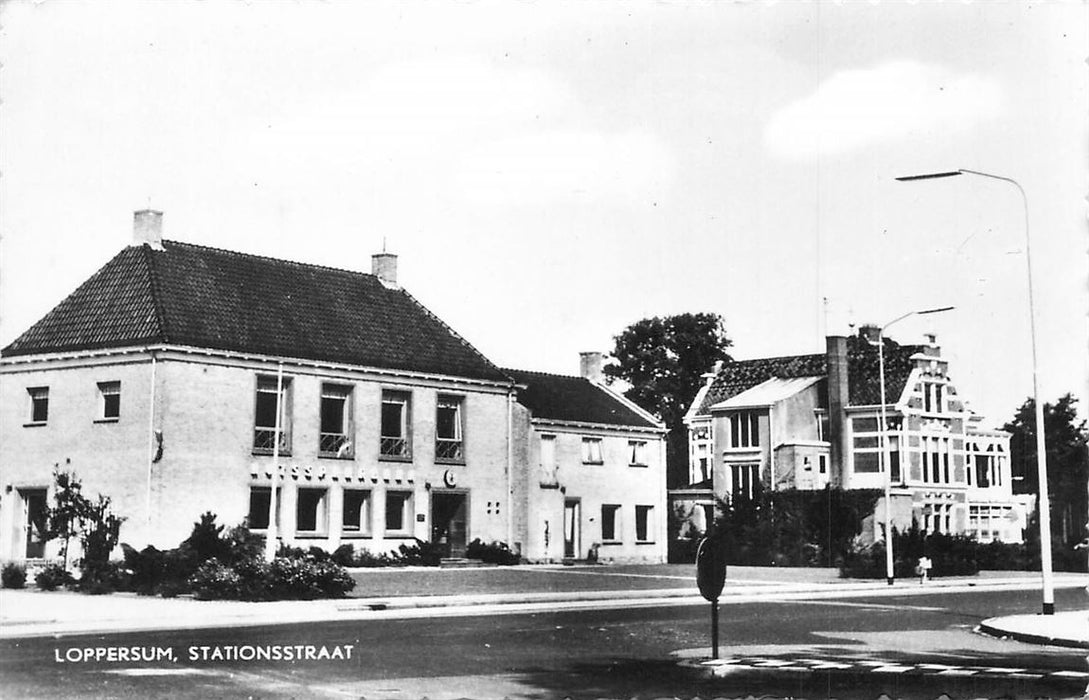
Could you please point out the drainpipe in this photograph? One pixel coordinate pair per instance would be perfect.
(150, 438)
(510, 462)
(771, 445)
(270, 533)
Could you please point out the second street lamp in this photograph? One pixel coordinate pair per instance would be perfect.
(890, 572)
(1044, 503)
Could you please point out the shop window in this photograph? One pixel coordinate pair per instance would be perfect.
(310, 511)
(356, 516)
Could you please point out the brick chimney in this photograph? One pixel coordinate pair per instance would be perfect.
(838, 401)
(384, 267)
(147, 228)
(591, 366)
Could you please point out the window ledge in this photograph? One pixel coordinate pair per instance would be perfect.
(309, 535)
(607, 543)
(107, 420)
(645, 542)
(455, 462)
(35, 424)
(395, 458)
(356, 536)
(340, 458)
(399, 536)
(268, 453)
(600, 462)
(640, 466)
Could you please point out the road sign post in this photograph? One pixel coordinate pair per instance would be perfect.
(710, 578)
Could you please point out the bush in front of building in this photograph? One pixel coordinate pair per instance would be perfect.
(53, 576)
(214, 580)
(289, 577)
(13, 576)
(420, 554)
(492, 553)
(950, 555)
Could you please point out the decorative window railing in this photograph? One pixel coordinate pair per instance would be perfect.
(394, 447)
(264, 440)
(335, 445)
(449, 450)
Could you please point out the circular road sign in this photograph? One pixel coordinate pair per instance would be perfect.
(710, 569)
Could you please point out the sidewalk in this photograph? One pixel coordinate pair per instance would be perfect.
(419, 592)
(1065, 629)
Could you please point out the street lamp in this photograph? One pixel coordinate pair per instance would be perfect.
(890, 575)
(1041, 453)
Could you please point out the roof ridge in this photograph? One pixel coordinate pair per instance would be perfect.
(457, 336)
(154, 291)
(269, 258)
(726, 365)
(544, 374)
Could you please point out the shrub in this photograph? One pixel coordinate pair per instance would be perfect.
(214, 580)
(344, 555)
(53, 577)
(367, 559)
(492, 553)
(308, 578)
(420, 554)
(206, 541)
(951, 555)
(12, 576)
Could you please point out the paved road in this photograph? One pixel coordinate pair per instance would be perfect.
(917, 646)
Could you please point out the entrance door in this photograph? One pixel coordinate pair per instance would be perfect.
(570, 528)
(34, 522)
(450, 522)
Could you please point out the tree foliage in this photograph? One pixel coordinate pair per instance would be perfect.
(662, 359)
(93, 521)
(1065, 439)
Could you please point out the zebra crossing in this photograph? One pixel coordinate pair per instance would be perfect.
(726, 666)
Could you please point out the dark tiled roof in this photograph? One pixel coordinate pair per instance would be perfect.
(210, 298)
(556, 397)
(862, 373)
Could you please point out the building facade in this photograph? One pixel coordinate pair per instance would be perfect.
(181, 379)
(811, 421)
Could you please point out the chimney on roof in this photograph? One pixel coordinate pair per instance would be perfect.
(709, 377)
(384, 267)
(591, 366)
(147, 227)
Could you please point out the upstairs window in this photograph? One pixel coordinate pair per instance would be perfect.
(395, 425)
(637, 453)
(933, 397)
(449, 446)
(745, 429)
(336, 422)
(109, 400)
(265, 437)
(591, 451)
(548, 474)
(39, 404)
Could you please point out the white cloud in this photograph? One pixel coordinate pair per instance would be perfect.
(550, 165)
(855, 108)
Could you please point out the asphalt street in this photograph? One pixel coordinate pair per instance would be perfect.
(917, 646)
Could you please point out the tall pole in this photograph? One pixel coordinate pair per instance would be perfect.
(1044, 502)
(270, 538)
(890, 575)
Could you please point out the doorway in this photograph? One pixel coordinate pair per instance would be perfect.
(450, 522)
(33, 522)
(571, 510)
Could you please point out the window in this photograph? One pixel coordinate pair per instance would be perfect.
(398, 512)
(356, 515)
(744, 478)
(933, 397)
(448, 430)
(866, 432)
(822, 425)
(591, 451)
(260, 496)
(867, 462)
(310, 511)
(643, 524)
(822, 462)
(395, 423)
(109, 394)
(637, 453)
(894, 458)
(549, 476)
(264, 425)
(744, 429)
(335, 439)
(610, 531)
(39, 404)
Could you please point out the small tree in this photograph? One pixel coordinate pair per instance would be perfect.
(94, 522)
(69, 506)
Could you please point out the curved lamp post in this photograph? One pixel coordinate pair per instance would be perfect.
(890, 575)
(1041, 453)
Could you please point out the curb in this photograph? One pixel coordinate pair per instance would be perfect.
(994, 630)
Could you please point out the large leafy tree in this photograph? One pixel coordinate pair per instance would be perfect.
(662, 359)
(1065, 440)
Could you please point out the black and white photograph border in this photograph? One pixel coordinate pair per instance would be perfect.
(521, 349)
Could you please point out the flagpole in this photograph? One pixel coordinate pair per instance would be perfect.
(271, 535)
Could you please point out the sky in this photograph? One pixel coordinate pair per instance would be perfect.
(549, 173)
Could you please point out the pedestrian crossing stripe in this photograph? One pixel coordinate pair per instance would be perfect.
(721, 666)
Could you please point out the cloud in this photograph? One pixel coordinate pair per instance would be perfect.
(856, 108)
(550, 165)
